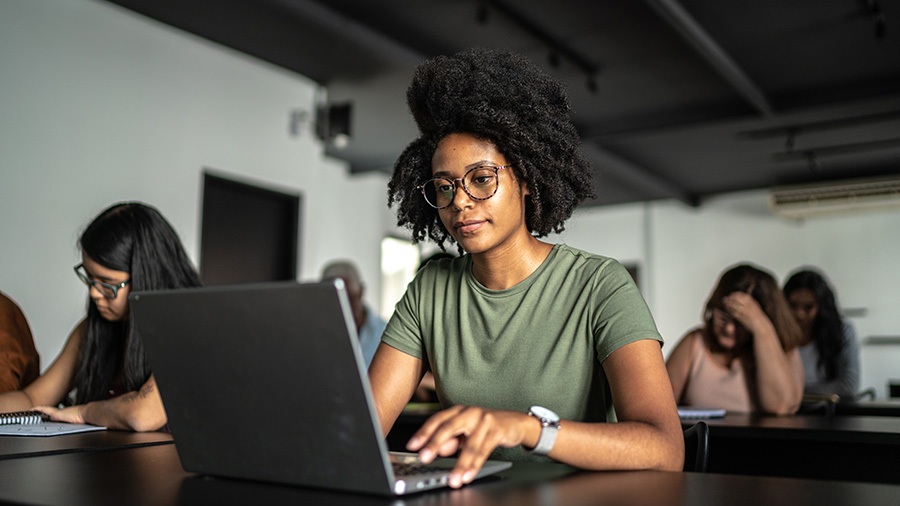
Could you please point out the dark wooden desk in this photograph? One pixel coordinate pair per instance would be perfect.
(851, 408)
(855, 448)
(152, 476)
(13, 447)
(868, 408)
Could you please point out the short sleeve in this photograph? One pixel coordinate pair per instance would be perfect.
(621, 315)
(403, 330)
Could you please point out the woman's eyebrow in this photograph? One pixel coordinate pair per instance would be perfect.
(104, 279)
(467, 167)
(482, 162)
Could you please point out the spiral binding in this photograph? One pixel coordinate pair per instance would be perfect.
(21, 417)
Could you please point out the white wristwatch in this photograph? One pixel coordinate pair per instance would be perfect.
(549, 427)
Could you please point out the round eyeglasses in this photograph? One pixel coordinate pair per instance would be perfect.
(480, 183)
(107, 290)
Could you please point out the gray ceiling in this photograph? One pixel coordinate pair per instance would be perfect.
(674, 98)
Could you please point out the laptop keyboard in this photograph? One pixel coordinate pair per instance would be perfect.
(412, 468)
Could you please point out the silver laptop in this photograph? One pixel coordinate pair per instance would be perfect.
(266, 382)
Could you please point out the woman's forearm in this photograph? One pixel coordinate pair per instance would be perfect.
(777, 382)
(139, 411)
(123, 413)
(15, 401)
(619, 446)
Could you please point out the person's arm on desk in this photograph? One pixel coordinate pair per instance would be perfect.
(139, 411)
(52, 386)
(647, 436)
(779, 374)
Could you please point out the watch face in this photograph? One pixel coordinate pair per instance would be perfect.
(545, 413)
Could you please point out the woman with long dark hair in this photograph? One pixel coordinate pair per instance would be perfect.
(745, 357)
(829, 349)
(103, 371)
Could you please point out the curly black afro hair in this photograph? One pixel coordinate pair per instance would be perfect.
(503, 98)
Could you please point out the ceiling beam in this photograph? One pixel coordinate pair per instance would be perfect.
(837, 149)
(334, 21)
(795, 128)
(554, 44)
(642, 180)
(709, 49)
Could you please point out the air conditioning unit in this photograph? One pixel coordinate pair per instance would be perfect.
(802, 201)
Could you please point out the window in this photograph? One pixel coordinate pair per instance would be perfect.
(399, 263)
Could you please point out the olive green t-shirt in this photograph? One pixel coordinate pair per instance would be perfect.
(541, 342)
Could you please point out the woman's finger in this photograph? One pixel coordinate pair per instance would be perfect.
(460, 424)
(421, 436)
(473, 453)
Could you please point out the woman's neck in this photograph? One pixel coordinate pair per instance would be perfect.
(807, 336)
(508, 266)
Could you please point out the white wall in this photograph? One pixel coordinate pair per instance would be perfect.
(682, 251)
(101, 105)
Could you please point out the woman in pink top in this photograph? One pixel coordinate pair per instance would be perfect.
(745, 356)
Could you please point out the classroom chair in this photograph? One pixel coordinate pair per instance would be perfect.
(696, 447)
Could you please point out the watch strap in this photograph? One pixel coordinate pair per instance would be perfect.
(549, 428)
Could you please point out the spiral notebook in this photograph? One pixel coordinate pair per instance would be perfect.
(686, 412)
(35, 423)
(267, 382)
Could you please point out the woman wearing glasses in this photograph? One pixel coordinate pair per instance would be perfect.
(533, 346)
(102, 371)
(745, 357)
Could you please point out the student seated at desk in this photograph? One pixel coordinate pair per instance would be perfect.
(829, 348)
(129, 246)
(745, 356)
(20, 363)
(533, 346)
(369, 325)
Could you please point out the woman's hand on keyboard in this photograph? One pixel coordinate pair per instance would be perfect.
(475, 432)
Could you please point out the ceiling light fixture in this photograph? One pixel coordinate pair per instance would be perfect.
(812, 162)
(791, 137)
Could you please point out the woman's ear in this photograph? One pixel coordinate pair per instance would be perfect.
(523, 187)
(524, 190)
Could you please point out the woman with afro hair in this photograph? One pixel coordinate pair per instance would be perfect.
(534, 346)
